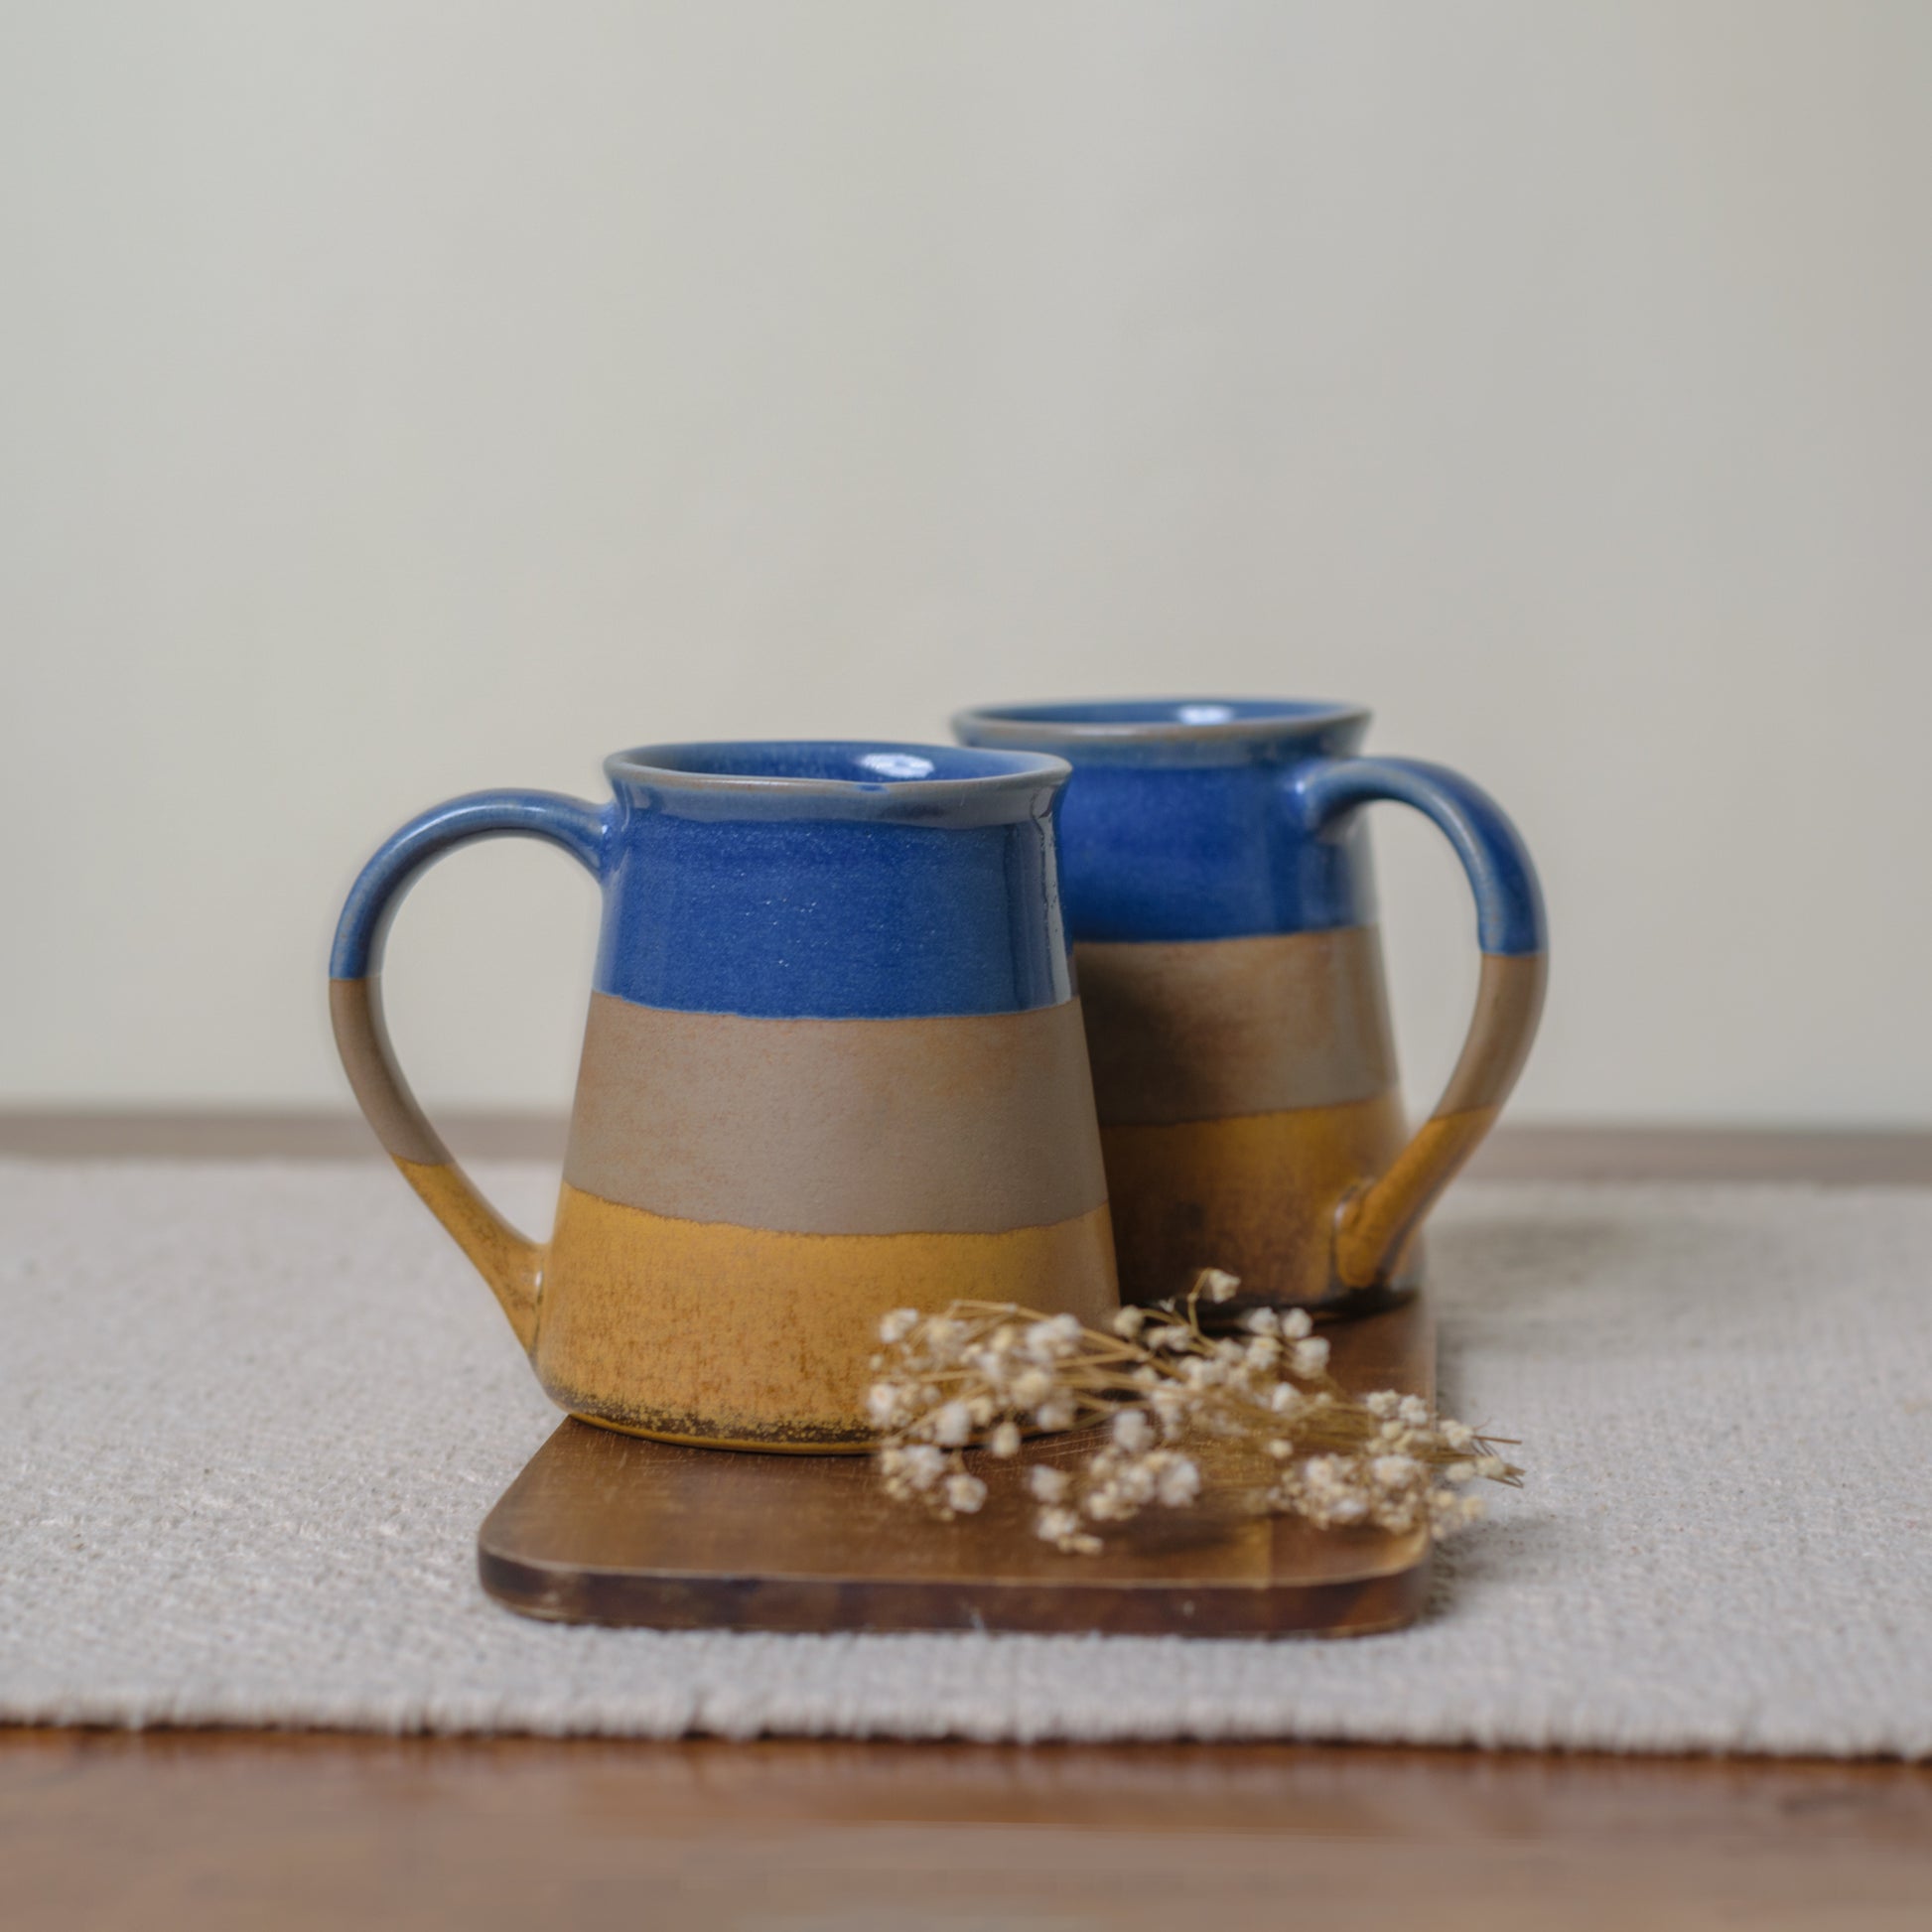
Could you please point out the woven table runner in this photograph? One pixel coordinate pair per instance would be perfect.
(253, 1413)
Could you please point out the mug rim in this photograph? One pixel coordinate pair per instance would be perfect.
(1008, 782)
(1081, 722)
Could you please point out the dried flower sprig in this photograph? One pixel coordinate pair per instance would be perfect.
(990, 1373)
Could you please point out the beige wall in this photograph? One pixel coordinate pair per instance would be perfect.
(397, 399)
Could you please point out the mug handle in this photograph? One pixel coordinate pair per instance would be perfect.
(1375, 1223)
(509, 1263)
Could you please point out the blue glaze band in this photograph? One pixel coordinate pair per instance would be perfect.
(1157, 852)
(577, 827)
(1174, 825)
(1223, 818)
(1509, 902)
(821, 920)
(789, 881)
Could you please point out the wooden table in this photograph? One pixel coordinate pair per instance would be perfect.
(214, 1830)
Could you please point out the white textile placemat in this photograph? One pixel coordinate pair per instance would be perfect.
(251, 1415)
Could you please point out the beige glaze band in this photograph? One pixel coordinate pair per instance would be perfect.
(1509, 1004)
(1201, 1030)
(964, 1125)
(512, 1265)
(362, 1039)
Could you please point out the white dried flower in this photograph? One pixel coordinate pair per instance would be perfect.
(1051, 1340)
(964, 1492)
(953, 1424)
(1179, 1480)
(987, 1372)
(1047, 1484)
(1449, 1512)
(1031, 1386)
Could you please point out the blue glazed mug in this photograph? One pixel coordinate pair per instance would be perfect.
(1215, 868)
(833, 1066)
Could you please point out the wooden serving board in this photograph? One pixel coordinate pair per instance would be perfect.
(604, 1528)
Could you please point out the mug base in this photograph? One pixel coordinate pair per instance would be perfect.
(763, 1444)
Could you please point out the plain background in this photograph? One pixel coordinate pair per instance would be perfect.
(398, 399)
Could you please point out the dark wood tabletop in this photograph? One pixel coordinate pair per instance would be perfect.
(257, 1830)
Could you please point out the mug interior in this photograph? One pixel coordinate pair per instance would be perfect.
(1170, 732)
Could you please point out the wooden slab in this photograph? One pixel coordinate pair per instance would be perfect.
(603, 1528)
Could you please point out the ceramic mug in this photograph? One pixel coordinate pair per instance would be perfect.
(1216, 874)
(833, 1066)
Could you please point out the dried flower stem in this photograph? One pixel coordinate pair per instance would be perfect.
(991, 1372)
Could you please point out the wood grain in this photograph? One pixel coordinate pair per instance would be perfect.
(602, 1528)
(234, 1832)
